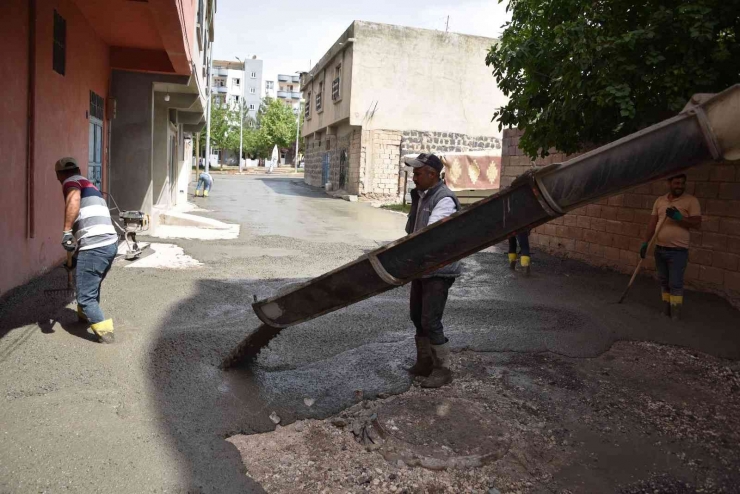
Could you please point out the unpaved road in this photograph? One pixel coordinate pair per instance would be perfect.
(152, 413)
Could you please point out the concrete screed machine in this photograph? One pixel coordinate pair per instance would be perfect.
(706, 131)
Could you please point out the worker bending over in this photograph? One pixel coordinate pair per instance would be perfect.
(88, 231)
(431, 201)
(205, 181)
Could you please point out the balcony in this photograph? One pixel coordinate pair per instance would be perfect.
(283, 94)
(295, 95)
(220, 89)
(284, 78)
(222, 72)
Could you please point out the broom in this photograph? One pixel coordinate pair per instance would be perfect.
(69, 290)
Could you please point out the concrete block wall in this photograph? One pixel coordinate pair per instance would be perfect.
(609, 233)
(312, 166)
(380, 163)
(417, 141)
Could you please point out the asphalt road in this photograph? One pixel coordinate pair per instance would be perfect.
(150, 413)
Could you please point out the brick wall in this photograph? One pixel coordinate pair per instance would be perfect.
(379, 168)
(312, 166)
(609, 233)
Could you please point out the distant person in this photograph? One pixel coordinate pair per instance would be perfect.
(679, 212)
(431, 201)
(525, 259)
(89, 233)
(205, 181)
(273, 159)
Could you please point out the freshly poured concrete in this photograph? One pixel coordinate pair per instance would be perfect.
(151, 413)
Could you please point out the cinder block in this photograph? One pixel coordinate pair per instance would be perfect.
(701, 256)
(631, 229)
(692, 272)
(722, 173)
(728, 226)
(625, 214)
(583, 222)
(732, 282)
(598, 224)
(570, 220)
(609, 212)
(709, 190)
(593, 211)
(621, 242)
(725, 260)
(633, 200)
(711, 275)
(596, 249)
(729, 191)
(613, 226)
(574, 233)
(617, 200)
(629, 257)
(714, 241)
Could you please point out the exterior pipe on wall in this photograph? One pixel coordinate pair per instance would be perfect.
(31, 123)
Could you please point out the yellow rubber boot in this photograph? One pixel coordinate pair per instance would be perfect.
(205, 193)
(666, 304)
(676, 305)
(512, 260)
(81, 315)
(104, 331)
(525, 260)
(197, 193)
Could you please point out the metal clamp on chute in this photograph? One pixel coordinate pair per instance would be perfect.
(533, 179)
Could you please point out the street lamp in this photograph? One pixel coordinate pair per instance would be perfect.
(297, 131)
(241, 109)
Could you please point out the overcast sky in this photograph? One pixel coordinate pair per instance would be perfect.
(288, 35)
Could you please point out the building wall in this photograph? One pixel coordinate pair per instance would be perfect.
(405, 78)
(415, 141)
(609, 233)
(253, 65)
(62, 103)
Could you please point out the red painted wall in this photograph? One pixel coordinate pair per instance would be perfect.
(61, 129)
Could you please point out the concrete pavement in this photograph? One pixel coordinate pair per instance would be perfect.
(152, 412)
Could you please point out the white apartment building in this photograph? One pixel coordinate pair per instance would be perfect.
(233, 80)
(269, 89)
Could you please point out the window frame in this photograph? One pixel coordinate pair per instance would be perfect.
(59, 44)
(336, 93)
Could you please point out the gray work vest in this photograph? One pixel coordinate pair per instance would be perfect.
(428, 202)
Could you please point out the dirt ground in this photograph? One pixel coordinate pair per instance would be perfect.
(640, 418)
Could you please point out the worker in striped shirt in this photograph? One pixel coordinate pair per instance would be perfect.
(88, 231)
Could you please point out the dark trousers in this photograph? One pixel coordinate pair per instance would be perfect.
(523, 239)
(427, 305)
(671, 265)
(92, 267)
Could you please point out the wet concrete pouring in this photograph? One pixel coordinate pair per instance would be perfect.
(558, 389)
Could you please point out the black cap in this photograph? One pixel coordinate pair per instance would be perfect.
(425, 160)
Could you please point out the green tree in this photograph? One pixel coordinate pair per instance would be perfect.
(223, 131)
(277, 124)
(581, 72)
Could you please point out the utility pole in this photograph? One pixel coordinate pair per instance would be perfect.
(297, 135)
(241, 111)
(208, 109)
(447, 26)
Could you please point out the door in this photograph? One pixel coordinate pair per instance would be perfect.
(325, 169)
(95, 141)
(95, 153)
(343, 169)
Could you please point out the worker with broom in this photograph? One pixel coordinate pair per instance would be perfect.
(88, 232)
(676, 212)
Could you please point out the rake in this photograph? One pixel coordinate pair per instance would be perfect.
(69, 290)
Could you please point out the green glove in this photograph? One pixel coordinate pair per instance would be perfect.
(674, 214)
(643, 250)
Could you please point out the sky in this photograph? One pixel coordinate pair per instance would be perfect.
(290, 35)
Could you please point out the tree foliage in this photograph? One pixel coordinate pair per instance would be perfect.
(581, 72)
(275, 124)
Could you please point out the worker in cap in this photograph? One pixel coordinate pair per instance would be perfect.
(431, 201)
(88, 233)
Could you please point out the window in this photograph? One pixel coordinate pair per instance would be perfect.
(290, 87)
(96, 106)
(220, 82)
(269, 85)
(307, 111)
(60, 44)
(251, 106)
(254, 75)
(236, 82)
(252, 90)
(319, 94)
(236, 99)
(336, 83)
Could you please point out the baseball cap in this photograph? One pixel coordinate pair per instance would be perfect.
(66, 164)
(425, 159)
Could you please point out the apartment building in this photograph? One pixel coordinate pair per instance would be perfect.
(120, 86)
(289, 89)
(236, 79)
(269, 89)
(382, 92)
